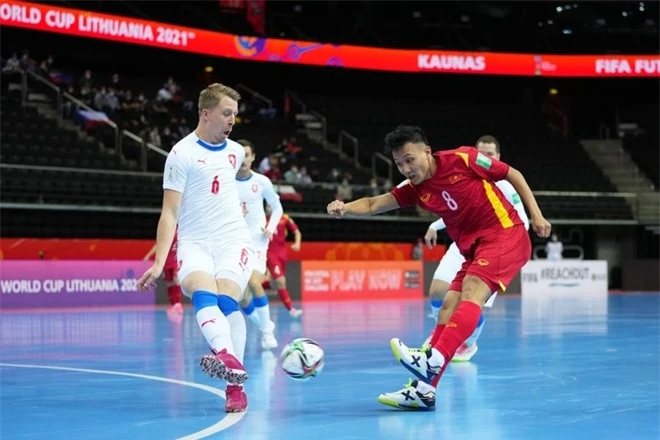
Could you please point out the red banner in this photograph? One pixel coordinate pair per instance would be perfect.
(358, 280)
(150, 33)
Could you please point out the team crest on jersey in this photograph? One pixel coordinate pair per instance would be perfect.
(455, 178)
(232, 160)
(255, 188)
(482, 262)
(425, 198)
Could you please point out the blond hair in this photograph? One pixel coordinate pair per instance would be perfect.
(211, 96)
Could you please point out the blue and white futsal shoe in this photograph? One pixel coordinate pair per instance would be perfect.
(425, 365)
(413, 397)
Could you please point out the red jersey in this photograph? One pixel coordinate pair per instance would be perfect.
(285, 225)
(462, 192)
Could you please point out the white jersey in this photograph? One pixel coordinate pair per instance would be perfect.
(509, 193)
(206, 176)
(252, 191)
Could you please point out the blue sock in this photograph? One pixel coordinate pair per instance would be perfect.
(249, 312)
(436, 304)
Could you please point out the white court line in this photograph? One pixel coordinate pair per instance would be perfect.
(224, 423)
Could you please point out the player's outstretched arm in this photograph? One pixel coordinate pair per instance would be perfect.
(363, 207)
(297, 240)
(540, 225)
(165, 235)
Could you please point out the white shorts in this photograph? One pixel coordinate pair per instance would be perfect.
(229, 261)
(261, 243)
(449, 266)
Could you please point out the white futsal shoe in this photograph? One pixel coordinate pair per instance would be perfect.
(415, 396)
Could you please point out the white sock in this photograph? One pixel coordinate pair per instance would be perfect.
(238, 333)
(215, 329)
(437, 360)
(254, 318)
(264, 318)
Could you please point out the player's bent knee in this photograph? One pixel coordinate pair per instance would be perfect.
(196, 281)
(202, 299)
(475, 290)
(227, 305)
(438, 289)
(229, 288)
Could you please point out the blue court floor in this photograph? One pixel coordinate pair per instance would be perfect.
(547, 368)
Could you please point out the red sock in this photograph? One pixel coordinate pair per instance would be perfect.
(436, 334)
(266, 285)
(460, 326)
(286, 299)
(174, 294)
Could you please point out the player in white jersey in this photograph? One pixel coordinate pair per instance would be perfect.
(554, 248)
(452, 261)
(215, 253)
(253, 190)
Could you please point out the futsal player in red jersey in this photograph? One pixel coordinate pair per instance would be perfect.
(277, 257)
(457, 185)
(172, 281)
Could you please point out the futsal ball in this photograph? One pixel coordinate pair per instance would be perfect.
(302, 359)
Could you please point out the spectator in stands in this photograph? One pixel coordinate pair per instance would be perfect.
(305, 179)
(293, 150)
(374, 189)
(264, 165)
(100, 99)
(334, 176)
(344, 190)
(554, 248)
(292, 175)
(168, 139)
(112, 101)
(27, 63)
(115, 83)
(86, 85)
(12, 64)
(154, 137)
(164, 94)
(274, 173)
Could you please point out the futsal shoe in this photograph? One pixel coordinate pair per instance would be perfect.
(236, 399)
(415, 396)
(268, 341)
(175, 309)
(465, 353)
(223, 365)
(425, 365)
(295, 313)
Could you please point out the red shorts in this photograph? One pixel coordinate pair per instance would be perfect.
(496, 259)
(276, 265)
